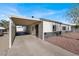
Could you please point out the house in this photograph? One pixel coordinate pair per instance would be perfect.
(75, 27)
(40, 28)
(1, 30)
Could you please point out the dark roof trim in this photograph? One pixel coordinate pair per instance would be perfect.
(52, 21)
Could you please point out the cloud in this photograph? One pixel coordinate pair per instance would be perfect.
(57, 15)
(37, 12)
(43, 12)
(6, 12)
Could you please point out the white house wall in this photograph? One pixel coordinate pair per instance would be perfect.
(58, 27)
(33, 30)
(67, 28)
(62, 25)
(19, 29)
(47, 26)
(40, 30)
(70, 28)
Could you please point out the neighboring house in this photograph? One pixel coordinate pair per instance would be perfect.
(41, 28)
(19, 28)
(75, 28)
(1, 30)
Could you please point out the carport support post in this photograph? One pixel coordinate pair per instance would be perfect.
(10, 23)
(42, 31)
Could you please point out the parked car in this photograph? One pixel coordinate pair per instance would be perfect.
(1, 32)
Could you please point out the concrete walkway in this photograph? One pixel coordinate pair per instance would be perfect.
(29, 45)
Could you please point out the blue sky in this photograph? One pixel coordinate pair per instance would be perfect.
(53, 11)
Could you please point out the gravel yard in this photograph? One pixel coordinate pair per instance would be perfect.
(68, 41)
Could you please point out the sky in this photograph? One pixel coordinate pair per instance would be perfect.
(52, 11)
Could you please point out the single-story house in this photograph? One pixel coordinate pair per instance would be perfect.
(40, 28)
(1, 30)
(75, 27)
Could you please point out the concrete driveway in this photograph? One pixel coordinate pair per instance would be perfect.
(4, 44)
(28, 45)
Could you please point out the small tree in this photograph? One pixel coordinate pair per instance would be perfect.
(5, 24)
(73, 14)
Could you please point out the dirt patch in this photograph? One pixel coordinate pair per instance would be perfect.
(69, 44)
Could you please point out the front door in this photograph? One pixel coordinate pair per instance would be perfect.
(36, 28)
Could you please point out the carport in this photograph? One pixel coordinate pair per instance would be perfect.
(35, 27)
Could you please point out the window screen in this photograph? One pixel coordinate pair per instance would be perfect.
(64, 28)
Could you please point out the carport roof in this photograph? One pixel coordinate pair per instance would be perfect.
(25, 21)
(29, 21)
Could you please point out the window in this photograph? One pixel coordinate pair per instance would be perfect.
(54, 27)
(64, 28)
